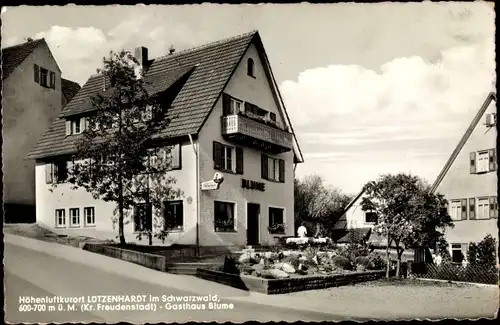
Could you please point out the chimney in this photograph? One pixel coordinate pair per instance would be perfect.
(171, 50)
(141, 55)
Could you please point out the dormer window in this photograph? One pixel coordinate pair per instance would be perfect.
(76, 126)
(250, 67)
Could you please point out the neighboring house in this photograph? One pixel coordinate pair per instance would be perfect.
(468, 180)
(354, 224)
(227, 116)
(32, 95)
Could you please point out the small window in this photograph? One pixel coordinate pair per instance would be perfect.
(44, 75)
(371, 217)
(143, 217)
(457, 253)
(89, 216)
(61, 171)
(224, 220)
(483, 208)
(76, 126)
(250, 67)
(483, 159)
(60, 218)
(456, 210)
(276, 221)
(174, 215)
(74, 217)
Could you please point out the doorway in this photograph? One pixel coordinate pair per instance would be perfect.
(253, 215)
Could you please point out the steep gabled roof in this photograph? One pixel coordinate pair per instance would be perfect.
(69, 89)
(491, 96)
(13, 56)
(210, 68)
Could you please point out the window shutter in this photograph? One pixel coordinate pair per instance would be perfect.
(464, 209)
(264, 166)
(82, 124)
(473, 162)
(68, 127)
(37, 73)
(248, 107)
(493, 207)
(226, 104)
(472, 208)
(282, 170)
(48, 174)
(180, 213)
(176, 156)
(217, 152)
(52, 80)
(492, 159)
(239, 161)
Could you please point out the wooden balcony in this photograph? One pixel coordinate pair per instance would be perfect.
(256, 134)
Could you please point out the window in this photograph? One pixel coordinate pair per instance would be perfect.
(143, 217)
(147, 114)
(89, 213)
(52, 80)
(458, 252)
(483, 161)
(456, 210)
(61, 171)
(60, 218)
(74, 217)
(371, 217)
(174, 215)
(483, 208)
(273, 169)
(276, 221)
(76, 126)
(230, 105)
(235, 106)
(224, 217)
(228, 158)
(250, 67)
(44, 73)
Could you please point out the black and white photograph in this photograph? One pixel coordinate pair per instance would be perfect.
(249, 162)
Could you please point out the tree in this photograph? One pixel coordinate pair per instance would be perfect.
(483, 253)
(318, 204)
(409, 215)
(119, 158)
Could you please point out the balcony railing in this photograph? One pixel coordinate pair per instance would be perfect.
(244, 128)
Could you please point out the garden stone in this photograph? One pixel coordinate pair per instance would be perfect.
(266, 274)
(302, 258)
(288, 268)
(279, 274)
(315, 259)
(245, 258)
(258, 267)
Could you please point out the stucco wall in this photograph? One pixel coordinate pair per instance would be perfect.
(258, 92)
(63, 197)
(28, 111)
(459, 183)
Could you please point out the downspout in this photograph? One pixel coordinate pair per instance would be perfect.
(198, 211)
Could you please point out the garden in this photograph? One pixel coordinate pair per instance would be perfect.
(306, 260)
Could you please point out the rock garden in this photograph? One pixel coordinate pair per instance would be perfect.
(302, 262)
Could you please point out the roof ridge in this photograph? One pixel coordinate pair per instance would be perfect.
(491, 96)
(207, 45)
(22, 44)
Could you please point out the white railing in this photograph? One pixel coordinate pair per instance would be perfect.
(233, 124)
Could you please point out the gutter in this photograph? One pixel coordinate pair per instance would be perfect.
(198, 209)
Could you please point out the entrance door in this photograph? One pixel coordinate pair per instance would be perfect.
(253, 214)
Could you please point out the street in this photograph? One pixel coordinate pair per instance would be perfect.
(29, 273)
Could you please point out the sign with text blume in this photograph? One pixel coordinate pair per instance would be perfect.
(253, 185)
(209, 186)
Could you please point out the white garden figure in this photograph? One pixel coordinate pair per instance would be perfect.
(302, 231)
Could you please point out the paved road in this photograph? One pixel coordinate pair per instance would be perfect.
(31, 273)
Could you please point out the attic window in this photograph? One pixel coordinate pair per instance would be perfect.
(44, 74)
(250, 67)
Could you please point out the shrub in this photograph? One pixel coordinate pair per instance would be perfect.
(483, 253)
(292, 259)
(341, 262)
(363, 261)
(376, 262)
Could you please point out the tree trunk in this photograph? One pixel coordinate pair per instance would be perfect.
(120, 213)
(318, 230)
(400, 253)
(150, 237)
(387, 256)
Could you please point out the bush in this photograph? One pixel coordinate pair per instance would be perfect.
(483, 253)
(364, 261)
(341, 262)
(292, 259)
(376, 262)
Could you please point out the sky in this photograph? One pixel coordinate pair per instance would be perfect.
(370, 88)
